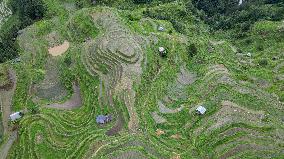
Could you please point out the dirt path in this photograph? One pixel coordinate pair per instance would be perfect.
(74, 102)
(4, 150)
(59, 50)
(6, 101)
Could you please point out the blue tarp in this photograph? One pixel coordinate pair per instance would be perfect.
(101, 119)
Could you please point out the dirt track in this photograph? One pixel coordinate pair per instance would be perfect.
(74, 102)
(4, 149)
(6, 101)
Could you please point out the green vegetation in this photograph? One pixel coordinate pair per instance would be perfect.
(113, 57)
(222, 14)
(25, 12)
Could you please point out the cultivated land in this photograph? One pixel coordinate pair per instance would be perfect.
(85, 62)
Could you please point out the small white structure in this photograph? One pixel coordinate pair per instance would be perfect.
(240, 2)
(16, 116)
(162, 50)
(201, 110)
(249, 54)
(160, 28)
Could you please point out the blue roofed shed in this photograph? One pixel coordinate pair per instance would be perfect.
(102, 119)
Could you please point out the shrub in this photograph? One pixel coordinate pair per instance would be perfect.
(179, 27)
(32, 107)
(263, 62)
(259, 47)
(68, 60)
(192, 50)
(81, 27)
(281, 97)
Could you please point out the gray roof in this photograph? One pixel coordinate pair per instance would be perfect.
(161, 28)
(162, 49)
(15, 116)
(201, 110)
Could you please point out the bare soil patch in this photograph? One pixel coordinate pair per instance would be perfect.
(59, 50)
(160, 132)
(74, 102)
(176, 136)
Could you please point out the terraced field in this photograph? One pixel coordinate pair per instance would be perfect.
(152, 99)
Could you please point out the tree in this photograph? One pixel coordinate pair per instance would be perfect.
(25, 13)
(28, 10)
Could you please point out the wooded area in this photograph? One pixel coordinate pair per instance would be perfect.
(25, 12)
(219, 14)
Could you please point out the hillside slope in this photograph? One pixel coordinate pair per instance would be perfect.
(85, 62)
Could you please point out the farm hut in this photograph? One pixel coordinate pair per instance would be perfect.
(201, 110)
(102, 119)
(18, 59)
(249, 54)
(16, 116)
(162, 51)
(160, 28)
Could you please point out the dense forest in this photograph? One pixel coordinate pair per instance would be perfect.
(218, 14)
(25, 12)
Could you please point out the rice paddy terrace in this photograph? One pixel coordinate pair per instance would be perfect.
(116, 69)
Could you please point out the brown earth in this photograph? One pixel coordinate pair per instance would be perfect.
(74, 102)
(6, 101)
(159, 132)
(176, 136)
(59, 50)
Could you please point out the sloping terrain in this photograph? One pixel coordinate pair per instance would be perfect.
(85, 62)
(5, 12)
